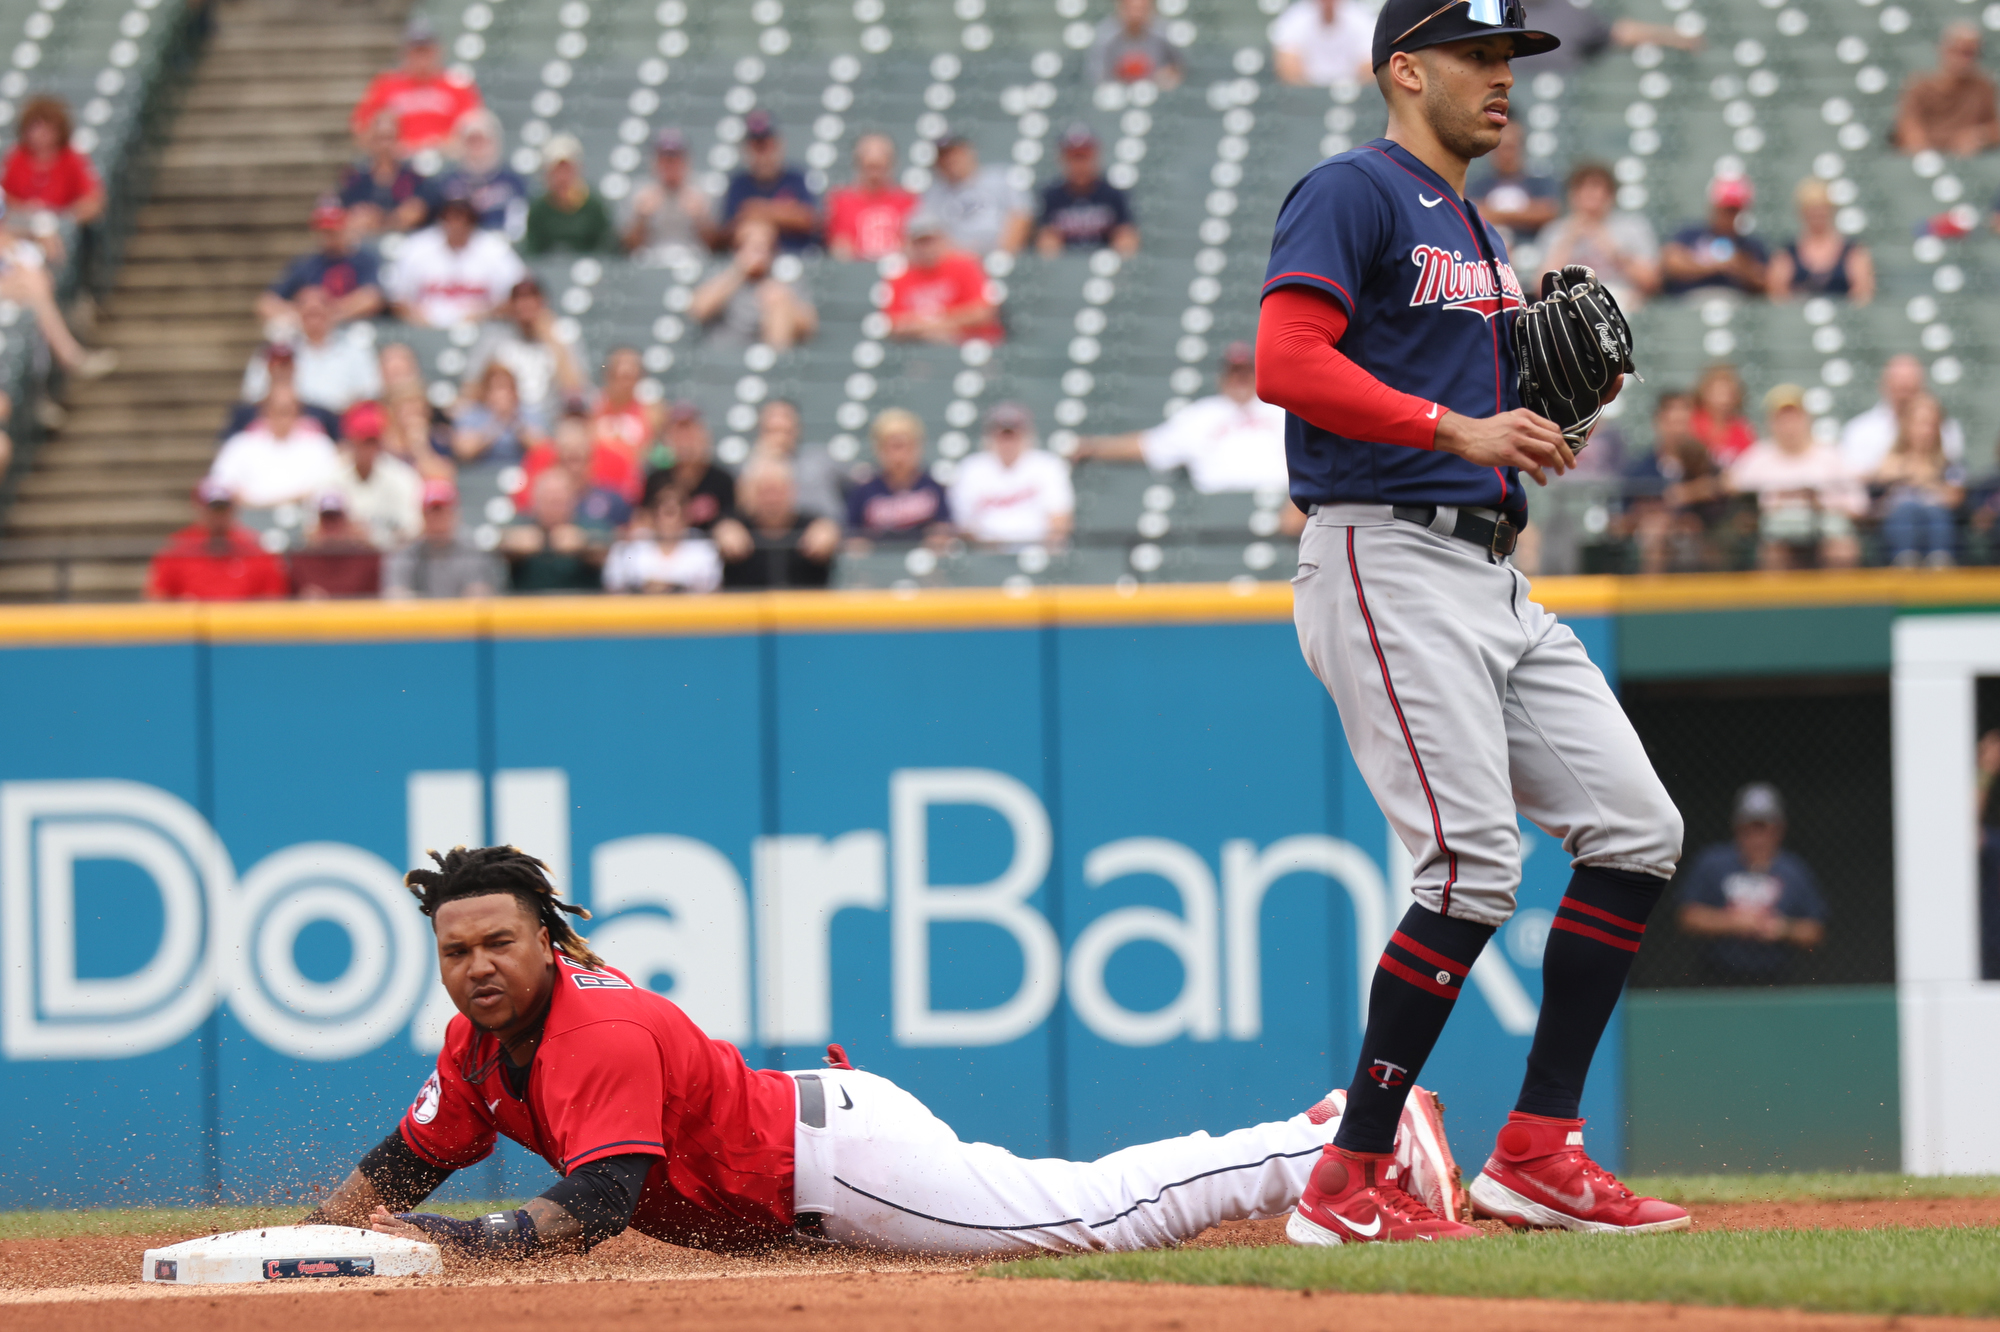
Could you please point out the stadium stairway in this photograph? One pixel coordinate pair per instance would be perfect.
(262, 130)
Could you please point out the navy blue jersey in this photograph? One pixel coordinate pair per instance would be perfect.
(1429, 297)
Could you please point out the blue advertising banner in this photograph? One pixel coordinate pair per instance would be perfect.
(1076, 885)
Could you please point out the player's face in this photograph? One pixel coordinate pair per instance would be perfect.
(495, 960)
(1465, 93)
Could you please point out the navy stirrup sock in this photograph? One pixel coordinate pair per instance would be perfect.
(1592, 943)
(1416, 983)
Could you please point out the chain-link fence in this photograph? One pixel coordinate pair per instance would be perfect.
(1824, 744)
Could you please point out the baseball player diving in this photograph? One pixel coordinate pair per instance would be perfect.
(654, 1126)
(1421, 388)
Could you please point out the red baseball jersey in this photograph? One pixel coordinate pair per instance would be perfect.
(622, 1071)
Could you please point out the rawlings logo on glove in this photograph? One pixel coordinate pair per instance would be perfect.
(1572, 346)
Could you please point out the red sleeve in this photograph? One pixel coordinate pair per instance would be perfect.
(971, 284)
(899, 296)
(19, 181)
(840, 217)
(1301, 369)
(448, 1125)
(603, 1093)
(370, 104)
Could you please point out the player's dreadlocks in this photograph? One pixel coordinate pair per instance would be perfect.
(485, 870)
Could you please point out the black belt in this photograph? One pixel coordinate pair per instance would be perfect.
(1498, 539)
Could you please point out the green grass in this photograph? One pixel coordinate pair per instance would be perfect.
(178, 1220)
(1691, 1189)
(1889, 1271)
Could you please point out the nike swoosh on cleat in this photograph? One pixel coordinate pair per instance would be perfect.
(1583, 1202)
(1429, 203)
(1366, 1232)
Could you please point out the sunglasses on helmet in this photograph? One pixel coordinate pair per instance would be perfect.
(1488, 13)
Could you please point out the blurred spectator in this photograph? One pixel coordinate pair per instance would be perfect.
(942, 295)
(669, 211)
(619, 421)
(401, 370)
(547, 549)
(1514, 199)
(1953, 109)
(660, 555)
(417, 434)
(1921, 490)
(606, 481)
(25, 280)
(1618, 244)
(342, 267)
(815, 475)
(1132, 45)
(382, 192)
(1013, 492)
(273, 364)
(526, 342)
(1821, 262)
(1323, 42)
(452, 272)
(426, 99)
(707, 493)
(1674, 494)
(865, 220)
(766, 188)
(383, 493)
(569, 216)
(1866, 439)
(6, 432)
(337, 560)
(44, 174)
(982, 210)
(442, 562)
(743, 302)
(1988, 765)
(1807, 498)
(1718, 420)
(1084, 211)
(1586, 34)
(1231, 441)
(497, 192)
(769, 543)
(492, 427)
(1718, 253)
(902, 501)
(1755, 900)
(214, 559)
(330, 370)
(281, 457)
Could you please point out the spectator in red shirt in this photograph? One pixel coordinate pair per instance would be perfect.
(865, 220)
(1718, 420)
(44, 174)
(338, 560)
(620, 422)
(594, 468)
(214, 559)
(943, 295)
(426, 100)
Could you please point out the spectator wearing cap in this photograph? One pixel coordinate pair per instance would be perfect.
(480, 174)
(1513, 198)
(1323, 42)
(382, 191)
(1132, 46)
(547, 548)
(769, 543)
(1229, 441)
(606, 481)
(686, 462)
(427, 99)
(1866, 439)
(743, 301)
(1618, 245)
(670, 211)
(441, 562)
(526, 339)
(1807, 496)
(46, 175)
(489, 427)
(1953, 109)
(1586, 34)
(1756, 903)
(1013, 493)
(215, 559)
(1718, 252)
(337, 559)
(902, 501)
(453, 271)
(342, 267)
(660, 555)
(815, 475)
(942, 294)
(382, 493)
(1083, 210)
(282, 457)
(981, 210)
(1821, 261)
(865, 220)
(569, 217)
(330, 370)
(766, 188)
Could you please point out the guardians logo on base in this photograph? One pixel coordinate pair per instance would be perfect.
(284, 1269)
(166, 1269)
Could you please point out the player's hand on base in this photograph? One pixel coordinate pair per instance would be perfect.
(382, 1221)
(1512, 439)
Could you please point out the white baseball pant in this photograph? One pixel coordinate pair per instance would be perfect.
(880, 1171)
(1463, 702)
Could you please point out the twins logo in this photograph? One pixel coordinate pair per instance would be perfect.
(1387, 1074)
(1446, 277)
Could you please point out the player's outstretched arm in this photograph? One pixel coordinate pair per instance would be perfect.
(591, 1204)
(1512, 439)
(391, 1176)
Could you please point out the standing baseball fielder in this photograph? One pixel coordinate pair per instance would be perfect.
(654, 1126)
(1386, 332)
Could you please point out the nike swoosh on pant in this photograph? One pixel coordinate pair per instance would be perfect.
(846, 1101)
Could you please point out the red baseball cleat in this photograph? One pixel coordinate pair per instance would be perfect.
(1355, 1198)
(1539, 1175)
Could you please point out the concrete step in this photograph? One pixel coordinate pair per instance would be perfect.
(233, 125)
(272, 245)
(236, 216)
(334, 98)
(235, 330)
(129, 481)
(176, 388)
(328, 155)
(84, 580)
(252, 273)
(99, 517)
(335, 35)
(183, 458)
(231, 180)
(182, 359)
(100, 438)
(268, 67)
(159, 303)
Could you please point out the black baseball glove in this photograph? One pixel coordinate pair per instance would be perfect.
(1571, 345)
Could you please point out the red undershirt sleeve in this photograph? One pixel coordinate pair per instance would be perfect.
(1301, 369)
